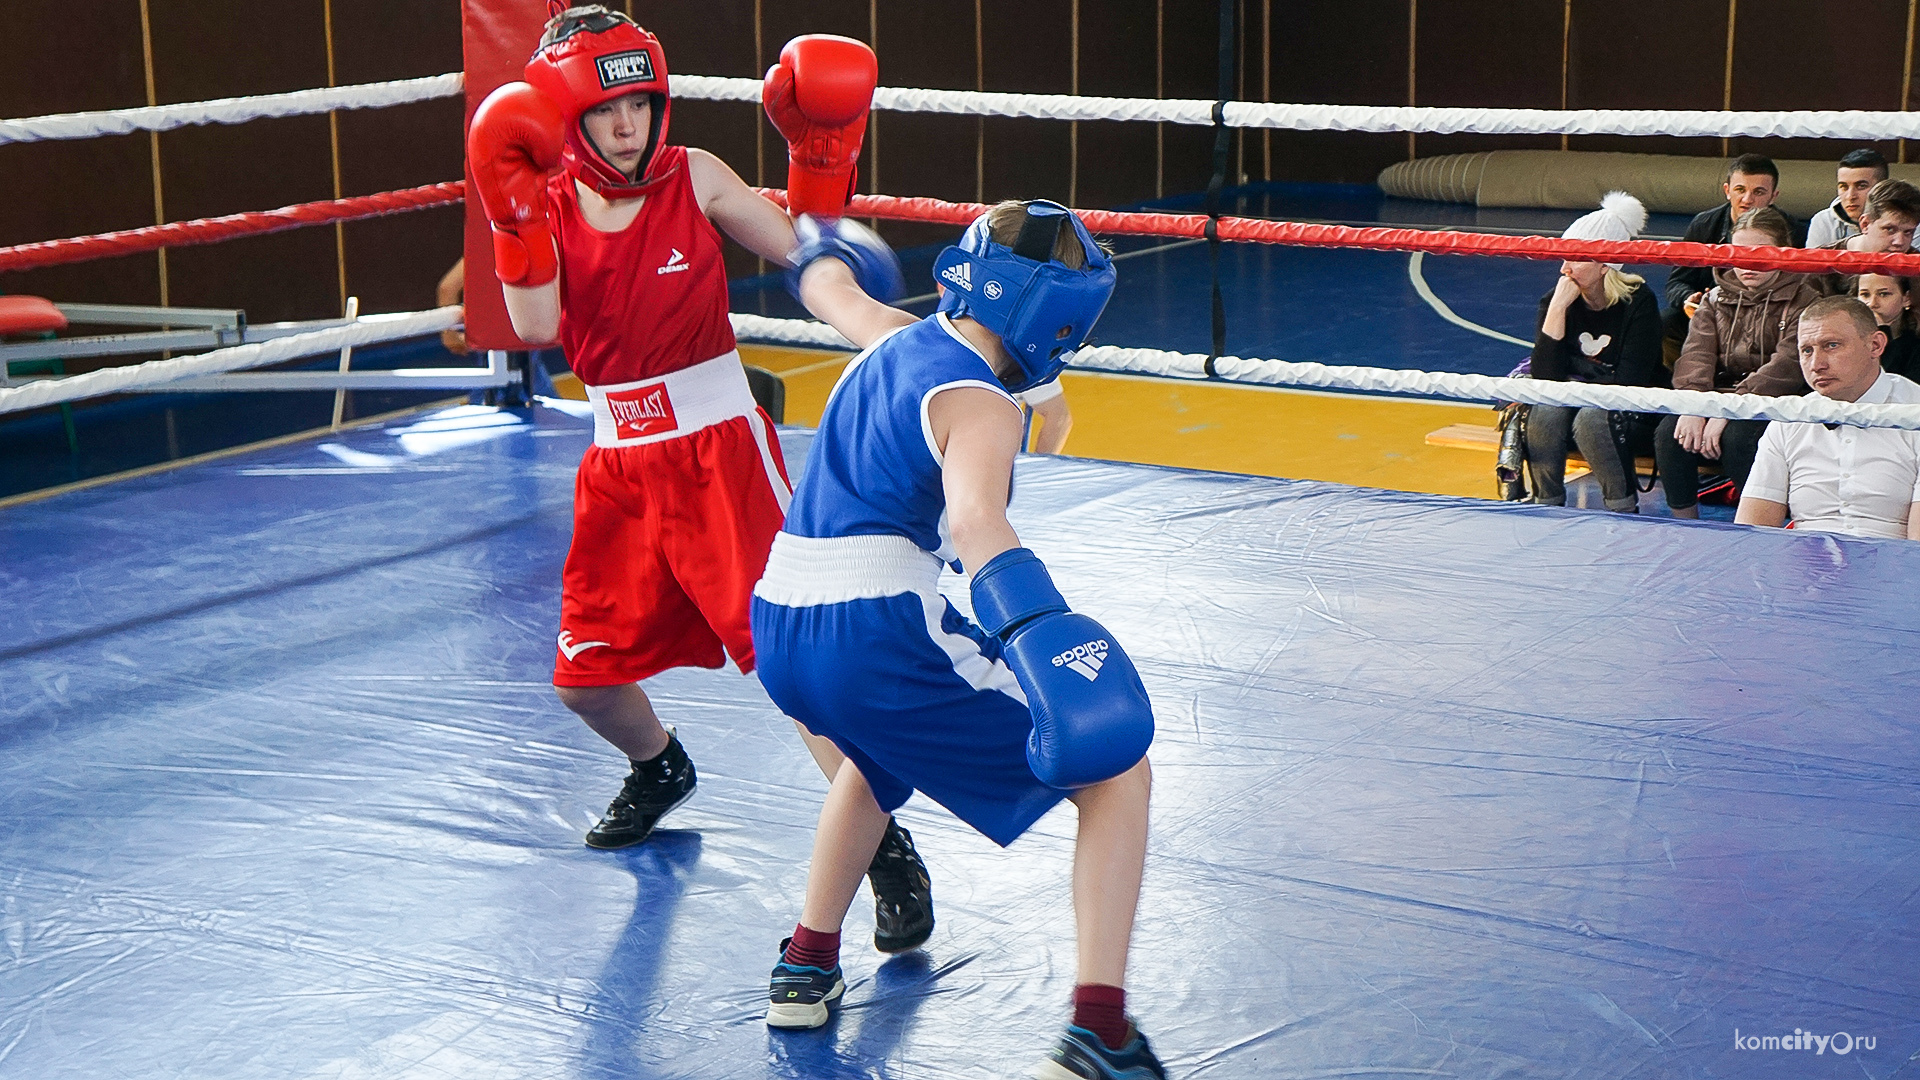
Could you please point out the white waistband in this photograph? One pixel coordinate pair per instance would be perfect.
(804, 571)
(678, 403)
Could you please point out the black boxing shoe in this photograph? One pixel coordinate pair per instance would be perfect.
(902, 893)
(654, 787)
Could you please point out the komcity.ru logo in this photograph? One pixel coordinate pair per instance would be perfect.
(1839, 1042)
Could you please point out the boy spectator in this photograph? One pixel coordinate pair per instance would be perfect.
(1887, 219)
(1887, 222)
(1753, 181)
(1834, 477)
(1857, 174)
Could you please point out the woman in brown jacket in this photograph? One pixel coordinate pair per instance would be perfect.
(1744, 339)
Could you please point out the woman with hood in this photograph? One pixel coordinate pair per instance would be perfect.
(1744, 339)
(1600, 324)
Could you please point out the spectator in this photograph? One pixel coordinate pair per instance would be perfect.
(453, 290)
(1743, 340)
(1887, 220)
(1834, 477)
(1858, 172)
(1048, 404)
(1752, 182)
(1598, 325)
(1886, 224)
(1890, 300)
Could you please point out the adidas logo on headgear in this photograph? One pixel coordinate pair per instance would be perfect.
(960, 274)
(1086, 659)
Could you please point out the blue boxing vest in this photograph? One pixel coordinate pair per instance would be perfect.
(873, 469)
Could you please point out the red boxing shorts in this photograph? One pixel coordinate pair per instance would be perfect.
(670, 533)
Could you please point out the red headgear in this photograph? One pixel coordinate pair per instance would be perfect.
(588, 56)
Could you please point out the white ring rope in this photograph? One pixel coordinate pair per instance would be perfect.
(230, 110)
(1107, 358)
(377, 328)
(788, 331)
(1852, 124)
(368, 330)
(1809, 409)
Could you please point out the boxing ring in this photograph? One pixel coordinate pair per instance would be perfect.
(1443, 787)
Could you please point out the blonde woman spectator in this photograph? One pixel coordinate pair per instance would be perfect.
(1600, 324)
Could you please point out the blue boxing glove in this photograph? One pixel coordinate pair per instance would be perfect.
(1091, 717)
(874, 266)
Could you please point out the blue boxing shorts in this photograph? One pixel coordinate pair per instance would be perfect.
(854, 640)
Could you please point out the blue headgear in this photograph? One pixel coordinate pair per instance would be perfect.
(1041, 310)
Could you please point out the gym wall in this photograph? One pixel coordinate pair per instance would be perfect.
(1545, 54)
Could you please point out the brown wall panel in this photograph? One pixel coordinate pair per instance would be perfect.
(1791, 55)
(1027, 50)
(1326, 157)
(1647, 54)
(394, 263)
(279, 276)
(227, 169)
(115, 174)
(71, 72)
(1349, 53)
(1623, 54)
(1116, 160)
(1488, 54)
(214, 48)
(1326, 54)
(926, 154)
(375, 40)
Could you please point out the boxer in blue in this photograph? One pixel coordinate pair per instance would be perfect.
(912, 467)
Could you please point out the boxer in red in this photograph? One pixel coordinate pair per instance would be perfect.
(617, 257)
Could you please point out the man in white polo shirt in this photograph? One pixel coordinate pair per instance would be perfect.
(1832, 477)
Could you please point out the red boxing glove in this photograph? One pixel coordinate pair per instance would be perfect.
(514, 143)
(818, 96)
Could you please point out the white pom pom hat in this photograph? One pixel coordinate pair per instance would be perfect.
(1620, 217)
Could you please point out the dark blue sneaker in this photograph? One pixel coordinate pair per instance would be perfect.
(1080, 1055)
(798, 996)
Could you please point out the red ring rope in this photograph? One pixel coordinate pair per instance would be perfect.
(936, 211)
(1255, 230)
(210, 230)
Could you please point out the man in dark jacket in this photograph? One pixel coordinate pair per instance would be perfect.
(1752, 181)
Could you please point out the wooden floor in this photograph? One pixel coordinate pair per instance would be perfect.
(1268, 431)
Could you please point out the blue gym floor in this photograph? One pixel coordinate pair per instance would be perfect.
(1443, 788)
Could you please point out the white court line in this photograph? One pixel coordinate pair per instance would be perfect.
(1420, 286)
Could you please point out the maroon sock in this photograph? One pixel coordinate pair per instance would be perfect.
(811, 948)
(1101, 1010)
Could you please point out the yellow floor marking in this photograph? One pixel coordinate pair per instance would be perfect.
(1275, 431)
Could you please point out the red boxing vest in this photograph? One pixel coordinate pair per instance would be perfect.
(650, 299)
